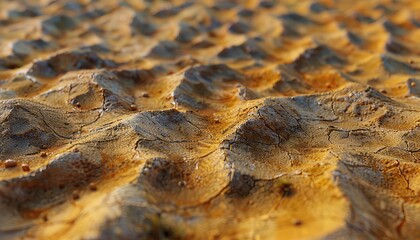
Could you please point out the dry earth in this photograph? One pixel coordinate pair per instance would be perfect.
(210, 119)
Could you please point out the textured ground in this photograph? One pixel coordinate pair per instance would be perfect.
(210, 119)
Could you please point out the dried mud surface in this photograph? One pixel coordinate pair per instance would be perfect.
(210, 119)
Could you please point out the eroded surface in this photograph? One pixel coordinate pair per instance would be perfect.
(210, 119)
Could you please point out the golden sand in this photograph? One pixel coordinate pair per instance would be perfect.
(210, 119)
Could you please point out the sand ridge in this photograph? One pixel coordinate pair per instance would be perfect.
(210, 119)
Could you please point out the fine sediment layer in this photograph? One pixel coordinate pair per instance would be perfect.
(210, 119)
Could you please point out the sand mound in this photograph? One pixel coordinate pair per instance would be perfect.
(210, 119)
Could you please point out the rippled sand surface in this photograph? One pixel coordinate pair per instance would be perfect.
(209, 119)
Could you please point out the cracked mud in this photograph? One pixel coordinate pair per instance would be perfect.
(210, 119)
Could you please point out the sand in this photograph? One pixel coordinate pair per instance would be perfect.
(210, 119)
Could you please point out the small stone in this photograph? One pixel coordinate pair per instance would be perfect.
(297, 222)
(25, 167)
(182, 183)
(146, 95)
(133, 107)
(77, 105)
(93, 187)
(413, 84)
(75, 150)
(75, 195)
(10, 163)
(43, 154)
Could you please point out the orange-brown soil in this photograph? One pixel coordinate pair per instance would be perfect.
(288, 119)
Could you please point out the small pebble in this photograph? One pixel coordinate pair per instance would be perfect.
(297, 222)
(133, 107)
(78, 104)
(25, 167)
(92, 186)
(10, 163)
(413, 84)
(43, 154)
(146, 95)
(75, 195)
(182, 183)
